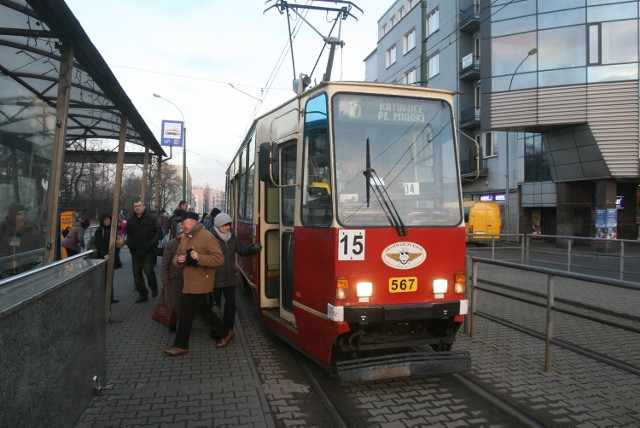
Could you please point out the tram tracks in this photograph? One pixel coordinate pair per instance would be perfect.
(341, 401)
(299, 392)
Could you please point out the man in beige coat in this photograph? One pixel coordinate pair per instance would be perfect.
(198, 256)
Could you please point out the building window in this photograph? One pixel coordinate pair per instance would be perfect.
(619, 42)
(594, 44)
(489, 146)
(391, 56)
(401, 12)
(536, 164)
(409, 41)
(383, 31)
(433, 22)
(392, 22)
(433, 65)
(410, 77)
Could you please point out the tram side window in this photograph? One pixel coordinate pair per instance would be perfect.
(316, 200)
(288, 176)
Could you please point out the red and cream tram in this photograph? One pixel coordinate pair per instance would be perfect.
(353, 189)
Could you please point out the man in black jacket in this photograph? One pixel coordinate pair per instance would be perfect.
(143, 234)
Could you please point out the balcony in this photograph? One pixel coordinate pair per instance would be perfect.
(470, 70)
(470, 170)
(470, 19)
(470, 118)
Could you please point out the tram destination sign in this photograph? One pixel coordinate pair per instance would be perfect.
(382, 109)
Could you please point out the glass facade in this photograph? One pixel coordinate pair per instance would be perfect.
(575, 42)
(536, 165)
(27, 132)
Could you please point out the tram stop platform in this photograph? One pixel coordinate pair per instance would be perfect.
(212, 386)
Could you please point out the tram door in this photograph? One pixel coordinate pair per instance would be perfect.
(288, 160)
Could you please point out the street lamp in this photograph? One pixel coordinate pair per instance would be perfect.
(184, 148)
(506, 192)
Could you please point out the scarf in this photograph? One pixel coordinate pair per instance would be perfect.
(224, 236)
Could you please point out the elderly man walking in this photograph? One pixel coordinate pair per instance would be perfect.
(143, 235)
(198, 256)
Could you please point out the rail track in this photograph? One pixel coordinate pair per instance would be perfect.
(301, 393)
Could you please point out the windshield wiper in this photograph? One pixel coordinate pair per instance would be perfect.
(374, 182)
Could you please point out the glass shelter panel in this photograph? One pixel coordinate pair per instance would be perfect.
(27, 133)
(412, 158)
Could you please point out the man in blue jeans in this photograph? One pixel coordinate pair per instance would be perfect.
(143, 234)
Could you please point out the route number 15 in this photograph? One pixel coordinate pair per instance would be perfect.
(351, 244)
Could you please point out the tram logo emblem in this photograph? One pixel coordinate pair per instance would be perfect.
(404, 255)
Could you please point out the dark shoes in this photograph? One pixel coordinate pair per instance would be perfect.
(154, 293)
(142, 299)
(176, 352)
(224, 342)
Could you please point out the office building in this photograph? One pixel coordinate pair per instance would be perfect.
(547, 105)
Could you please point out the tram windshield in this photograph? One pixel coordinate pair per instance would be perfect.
(412, 152)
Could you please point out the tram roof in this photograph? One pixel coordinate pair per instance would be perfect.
(31, 33)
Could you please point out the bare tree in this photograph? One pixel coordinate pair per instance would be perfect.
(170, 186)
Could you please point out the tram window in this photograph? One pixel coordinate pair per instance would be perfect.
(412, 152)
(288, 175)
(317, 208)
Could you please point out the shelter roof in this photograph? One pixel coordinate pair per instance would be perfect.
(31, 34)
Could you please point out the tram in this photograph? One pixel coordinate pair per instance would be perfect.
(353, 190)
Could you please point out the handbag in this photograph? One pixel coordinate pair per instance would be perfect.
(164, 311)
(119, 241)
(159, 249)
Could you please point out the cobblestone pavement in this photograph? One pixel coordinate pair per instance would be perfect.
(254, 383)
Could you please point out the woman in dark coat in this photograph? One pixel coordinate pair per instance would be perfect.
(101, 241)
(227, 276)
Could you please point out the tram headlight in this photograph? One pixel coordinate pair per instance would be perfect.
(440, 286)
(342, 287)
(364, 289)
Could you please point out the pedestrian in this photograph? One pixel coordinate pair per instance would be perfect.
(173, 220)
(165, 226)
(143, 235)
(198, 256)
(171, 276)
(18, 235)
(208, 222)
(122, 224)
(227, 277)
(101, 239)
(74, 241)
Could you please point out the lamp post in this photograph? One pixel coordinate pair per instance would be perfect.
(506, 192)
(184, 148)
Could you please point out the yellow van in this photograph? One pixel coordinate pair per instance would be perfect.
(482, 220)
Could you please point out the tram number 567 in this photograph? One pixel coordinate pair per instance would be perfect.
(351, 244)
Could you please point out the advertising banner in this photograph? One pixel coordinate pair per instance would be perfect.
(66, 224)
(607, 223)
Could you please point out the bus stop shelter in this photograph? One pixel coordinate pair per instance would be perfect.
(55, 90)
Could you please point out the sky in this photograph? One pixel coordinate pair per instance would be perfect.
(214, 60)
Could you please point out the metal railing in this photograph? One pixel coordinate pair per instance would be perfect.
(573, 249)
(550, 296)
